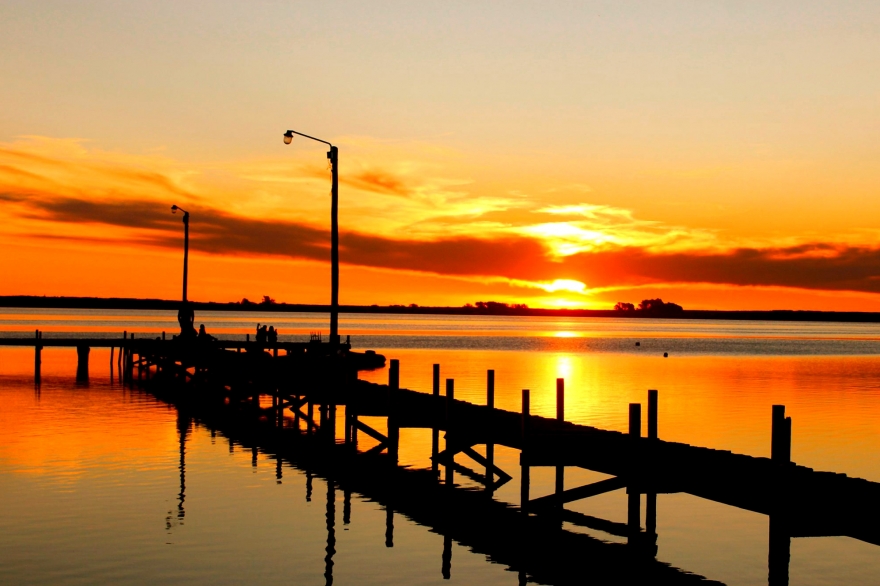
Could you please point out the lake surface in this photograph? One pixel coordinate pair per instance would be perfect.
(94, 487)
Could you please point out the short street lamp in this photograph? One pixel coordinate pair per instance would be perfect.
(333, 155)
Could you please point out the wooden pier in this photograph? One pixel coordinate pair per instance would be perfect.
(218, 383)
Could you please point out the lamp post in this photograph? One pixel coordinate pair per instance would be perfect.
(333, 155)
(185, 316)
(185, 245)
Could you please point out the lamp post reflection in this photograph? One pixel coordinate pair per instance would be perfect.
(183, 425)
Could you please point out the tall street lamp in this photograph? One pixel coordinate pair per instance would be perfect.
(185, 245)
(185, 315)
(333, 155)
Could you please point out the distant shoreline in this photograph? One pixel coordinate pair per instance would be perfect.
(35, 302)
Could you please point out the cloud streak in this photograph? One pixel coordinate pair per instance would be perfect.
(821, 266)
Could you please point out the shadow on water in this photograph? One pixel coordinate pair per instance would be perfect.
(537, 549)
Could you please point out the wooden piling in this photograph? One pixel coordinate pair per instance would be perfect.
(633, 497)
(346, 416)
(111, 362)
(82, 363)
(780, 440)
(651, 514)
(38, 357)
(121, 352)
(652, 414)
(651, 497)
(524, 476)
(560, 416)
(435, 432)
(393, 428)
(635, 419)
(490, 447)
(450, 397)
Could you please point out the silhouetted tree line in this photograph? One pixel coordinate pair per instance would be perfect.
(650, 306)
(266, 301)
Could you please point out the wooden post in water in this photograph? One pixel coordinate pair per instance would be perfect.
(633, 496)
(111, 363)
(779, 551)
(651, 497)
(523, 461)
(652, 414)
(82, 363)
(450, 397)
(780, 441)
(490, 447)
(393, 429)
(435, 432)
(560, 417)
(38, 357)
(121, 352)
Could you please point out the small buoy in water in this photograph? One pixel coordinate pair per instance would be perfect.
(666, 355)
(638, 343)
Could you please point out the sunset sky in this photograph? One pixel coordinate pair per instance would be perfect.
(560, 154)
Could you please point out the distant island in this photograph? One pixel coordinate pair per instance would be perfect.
(649, 308)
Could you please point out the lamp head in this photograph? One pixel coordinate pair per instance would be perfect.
(288, 137)
(174, 209)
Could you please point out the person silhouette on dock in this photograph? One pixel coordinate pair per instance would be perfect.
(272, 334)
(262, 334)
(186, 317)
(204, 336)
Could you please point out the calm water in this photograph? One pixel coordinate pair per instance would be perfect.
(90, 476)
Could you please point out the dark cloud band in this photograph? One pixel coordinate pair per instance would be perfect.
(810, 266)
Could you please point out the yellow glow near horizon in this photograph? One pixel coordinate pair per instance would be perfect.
(564, 285)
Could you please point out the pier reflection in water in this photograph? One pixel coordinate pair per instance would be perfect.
(113, 433)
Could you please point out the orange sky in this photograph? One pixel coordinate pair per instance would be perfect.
(557, 156)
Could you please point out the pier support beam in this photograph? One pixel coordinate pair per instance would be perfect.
(393, 428)
(560, 417)
(82, 364)
(450, 465)
(633, 516)
(779, 546)
(780, 441)
(524, 466)
(435, 431)
(651, 497)
(490, 447)
(38, 358)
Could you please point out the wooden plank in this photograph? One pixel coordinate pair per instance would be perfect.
(581, 492)
(370, 431)
(476, 457)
